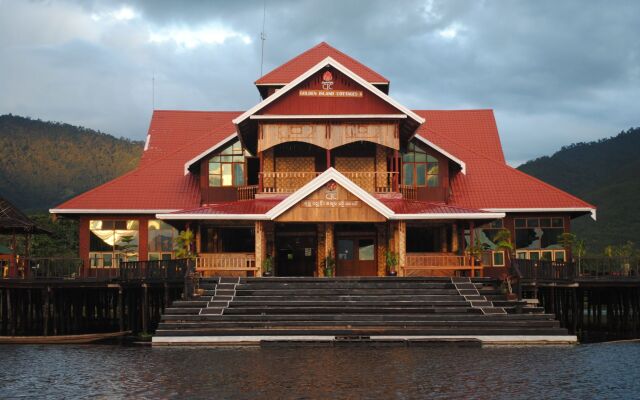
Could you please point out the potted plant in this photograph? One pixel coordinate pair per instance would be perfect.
(267, 266)
(329, 265)
(392, 262)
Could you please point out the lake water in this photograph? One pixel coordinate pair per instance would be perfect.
(591, 371)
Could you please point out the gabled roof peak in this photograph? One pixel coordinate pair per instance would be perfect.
(291, 69)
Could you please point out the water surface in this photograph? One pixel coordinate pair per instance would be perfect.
(591, 371)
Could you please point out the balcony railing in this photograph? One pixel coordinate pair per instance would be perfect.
(84, 269)
(247, 192)
(289, 182)
(428, 264)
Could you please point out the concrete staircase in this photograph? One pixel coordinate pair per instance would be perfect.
(254, 310)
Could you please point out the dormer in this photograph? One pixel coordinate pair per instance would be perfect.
(276, 79)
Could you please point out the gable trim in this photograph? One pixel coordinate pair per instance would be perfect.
(200, 156)
(249, 217)
(107, 211)
(327, 61)
(445, 153)
(317, 183)
(329, 116)
(439, 216)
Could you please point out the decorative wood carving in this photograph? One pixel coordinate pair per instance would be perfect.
(328, 136)
(331, 203)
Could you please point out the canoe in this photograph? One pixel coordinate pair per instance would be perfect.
(62, 339)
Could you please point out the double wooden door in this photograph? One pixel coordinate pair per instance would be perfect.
(356, 255)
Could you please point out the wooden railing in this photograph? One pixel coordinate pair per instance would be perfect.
(221, 263)
(82, 269)
(247, 192)
(288, 182)
(409, 192)
(285, 182)
(425, 264)
(617, 268)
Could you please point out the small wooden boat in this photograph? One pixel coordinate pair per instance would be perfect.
(62, 339)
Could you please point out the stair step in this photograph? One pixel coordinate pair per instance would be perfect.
(364, 331)
(408, 323)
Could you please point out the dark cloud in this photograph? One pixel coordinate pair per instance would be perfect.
(555, 72)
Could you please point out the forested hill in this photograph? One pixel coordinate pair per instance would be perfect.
(44, 163)
(605, 173)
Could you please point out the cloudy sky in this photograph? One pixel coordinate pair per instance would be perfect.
(555, 72)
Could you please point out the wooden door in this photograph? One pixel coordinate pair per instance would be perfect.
(296, 255)
(356, 256)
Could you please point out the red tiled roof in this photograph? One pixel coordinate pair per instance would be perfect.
(159, 183)
(489, 182)
(256, 206)
(298, 65)
(402, 206)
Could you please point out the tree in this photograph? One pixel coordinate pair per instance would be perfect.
(184, 245)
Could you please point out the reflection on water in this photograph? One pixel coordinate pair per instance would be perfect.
(578, 372)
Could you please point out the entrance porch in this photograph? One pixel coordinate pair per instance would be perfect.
(355, 249)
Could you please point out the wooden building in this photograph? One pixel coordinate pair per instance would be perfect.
(328, 166)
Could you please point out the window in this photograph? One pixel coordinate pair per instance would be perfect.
(112, 241)
(545, 255)
(227, 168)
(345, 249)
(215, 239)
(539, 233)
(498, 259)
(161, 240)
(419, 168)
(366, 250)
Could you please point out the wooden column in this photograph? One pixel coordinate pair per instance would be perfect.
(328, 158)
(260, 246)
(455, 243)
(444, 247)
(472, 246)
(145, 308)
(260, 184)
(399, 244)
(381, 231)
(396, 169)
(328, 242)
(321, 249)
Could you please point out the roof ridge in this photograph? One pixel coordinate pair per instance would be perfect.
(510, 168)
(321, 44)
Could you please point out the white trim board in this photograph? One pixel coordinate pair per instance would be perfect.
(327, 61)
(592, 211)
(329, 116)
(501, 340)
(199, 157)
(487, 215)
(107, 211)
(282, 84)
(442, 151)
(205, 217)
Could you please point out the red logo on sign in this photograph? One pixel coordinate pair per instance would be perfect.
(327, 76)
(332, 186)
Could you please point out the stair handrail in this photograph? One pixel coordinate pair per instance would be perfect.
(515, 271)
(190, 279)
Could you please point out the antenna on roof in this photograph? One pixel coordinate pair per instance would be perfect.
(263, 35)
(153, 91)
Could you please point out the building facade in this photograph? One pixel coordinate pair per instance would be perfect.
(327, 168)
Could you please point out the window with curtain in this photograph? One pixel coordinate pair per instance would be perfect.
(419, 168)
(112, 241)
(161, 240)
(227, 168)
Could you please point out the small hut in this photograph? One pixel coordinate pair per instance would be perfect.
(14, 222)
